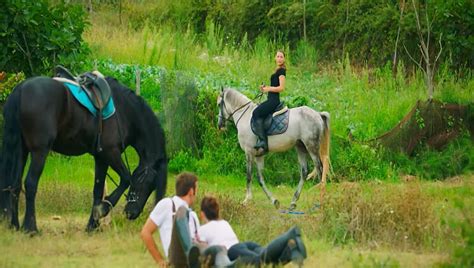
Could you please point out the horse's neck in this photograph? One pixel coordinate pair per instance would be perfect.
(148, 139)
(240, 106)
(236, 100)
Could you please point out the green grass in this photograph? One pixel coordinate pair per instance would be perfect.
(357, 228)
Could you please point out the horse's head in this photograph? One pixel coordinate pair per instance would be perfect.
(223, 114)
(142, 183)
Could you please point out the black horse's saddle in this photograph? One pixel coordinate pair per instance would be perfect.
(93, 83)
(276, 123)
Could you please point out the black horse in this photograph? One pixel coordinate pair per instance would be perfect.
(41, 115)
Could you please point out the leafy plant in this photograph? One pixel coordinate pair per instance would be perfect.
(6, 87)
(35, 36)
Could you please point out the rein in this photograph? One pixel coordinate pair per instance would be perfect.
(223, 106)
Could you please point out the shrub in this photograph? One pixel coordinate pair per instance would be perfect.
(36, 36)
(7, 86)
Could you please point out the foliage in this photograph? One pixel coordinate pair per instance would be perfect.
(334, 28)
(186, 103)
(456, 158)
(35, 36)
(6, 87)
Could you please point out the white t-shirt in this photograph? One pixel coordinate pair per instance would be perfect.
(162, 216)
(218, 232)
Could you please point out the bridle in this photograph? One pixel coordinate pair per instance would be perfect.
(132, 197)
(223, 107)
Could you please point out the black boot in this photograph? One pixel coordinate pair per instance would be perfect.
(286, 248)
(262, 141)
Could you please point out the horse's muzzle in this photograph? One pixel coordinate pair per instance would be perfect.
(133, 214)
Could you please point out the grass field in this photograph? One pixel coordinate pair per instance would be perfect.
(428, 239)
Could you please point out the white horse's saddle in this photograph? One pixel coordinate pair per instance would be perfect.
(276, 123)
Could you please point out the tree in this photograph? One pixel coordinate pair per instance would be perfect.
(424, 46)
(35, 36)
(395, 58)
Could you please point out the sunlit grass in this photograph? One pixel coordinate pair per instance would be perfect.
(370, 240)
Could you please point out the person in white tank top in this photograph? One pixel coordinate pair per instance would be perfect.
(218, 232)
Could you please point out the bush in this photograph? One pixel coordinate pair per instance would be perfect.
(36, 36)
(186, 103)
(7, 86)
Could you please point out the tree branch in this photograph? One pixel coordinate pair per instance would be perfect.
(440, 48)
(409, 55)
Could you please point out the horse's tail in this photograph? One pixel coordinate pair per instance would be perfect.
(11, 152)
(325, 141)
(324, 144)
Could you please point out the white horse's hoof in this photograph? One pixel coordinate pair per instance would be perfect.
(292, 206)
(276, 203)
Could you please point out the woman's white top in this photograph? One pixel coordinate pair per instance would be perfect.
(218, 232)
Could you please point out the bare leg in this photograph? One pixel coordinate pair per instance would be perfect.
(260, 164)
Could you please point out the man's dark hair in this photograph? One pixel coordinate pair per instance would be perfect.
(184, 182)
(210, 207)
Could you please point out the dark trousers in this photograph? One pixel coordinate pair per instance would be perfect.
(249, 252)
(265, 108)
(277, 251)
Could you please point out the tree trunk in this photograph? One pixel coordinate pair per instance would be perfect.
(395, 58)
(304, 20)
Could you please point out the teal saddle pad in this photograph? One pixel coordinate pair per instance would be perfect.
(81, 96)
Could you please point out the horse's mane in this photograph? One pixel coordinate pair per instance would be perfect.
(147, 120)
(234, 97)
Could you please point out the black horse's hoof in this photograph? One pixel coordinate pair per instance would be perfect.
(92, 227)
(101, 210)
(31, 231)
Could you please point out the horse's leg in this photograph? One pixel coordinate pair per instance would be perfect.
(248, 196)
(260, 164)
(17, 190)
(320, 157)
(302, 159)
(99, 181)
(38, 159)
(116, 163)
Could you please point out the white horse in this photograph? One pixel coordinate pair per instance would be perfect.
(307, 129)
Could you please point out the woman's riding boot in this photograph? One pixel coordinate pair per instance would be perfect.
(262, 141)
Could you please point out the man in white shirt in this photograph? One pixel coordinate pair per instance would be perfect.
(162, 217)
